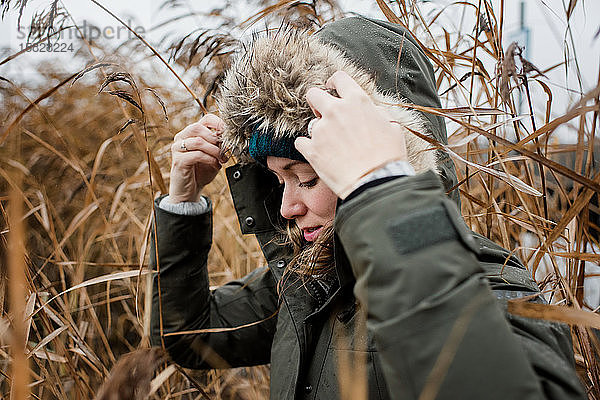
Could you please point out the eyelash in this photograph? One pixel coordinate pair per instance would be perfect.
(309, 184)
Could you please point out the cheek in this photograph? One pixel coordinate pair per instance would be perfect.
(325, 203)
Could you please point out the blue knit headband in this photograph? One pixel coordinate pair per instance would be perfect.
(263, 144)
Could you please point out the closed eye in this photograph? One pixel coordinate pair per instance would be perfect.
(309, 184)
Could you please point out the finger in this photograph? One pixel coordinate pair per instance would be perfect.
(197, 129)
(223, 156)
(319, 101)
(311, 126)
(343, 84)
(196, 144)
(213, 122)
(303, 145)
(193, 158)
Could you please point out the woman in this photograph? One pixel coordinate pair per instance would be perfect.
(376, 260)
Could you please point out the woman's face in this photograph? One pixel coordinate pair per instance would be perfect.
(306, 199)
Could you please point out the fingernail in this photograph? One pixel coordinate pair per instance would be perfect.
(223, 157)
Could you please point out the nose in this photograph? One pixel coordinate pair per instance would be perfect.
(291, 204)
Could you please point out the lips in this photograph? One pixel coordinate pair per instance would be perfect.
(310, 234)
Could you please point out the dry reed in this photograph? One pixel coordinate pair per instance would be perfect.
(85, 152)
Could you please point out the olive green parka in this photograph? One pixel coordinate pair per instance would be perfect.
(421, 298)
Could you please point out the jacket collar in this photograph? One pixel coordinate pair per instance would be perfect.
(257, 199)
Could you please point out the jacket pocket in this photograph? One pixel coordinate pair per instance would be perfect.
(352, 374)
(353, 357)
(350, 330)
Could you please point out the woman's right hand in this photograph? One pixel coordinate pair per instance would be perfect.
(196, 158)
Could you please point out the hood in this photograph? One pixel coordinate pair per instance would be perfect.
(266, 85)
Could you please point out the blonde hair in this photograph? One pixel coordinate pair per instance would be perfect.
(310, 260)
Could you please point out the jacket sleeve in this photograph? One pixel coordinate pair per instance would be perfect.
(437, 326)
(182, 300)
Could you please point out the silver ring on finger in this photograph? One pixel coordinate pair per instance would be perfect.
(310, 126)
(183, 148)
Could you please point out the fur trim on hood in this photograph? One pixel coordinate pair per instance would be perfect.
(267, 84)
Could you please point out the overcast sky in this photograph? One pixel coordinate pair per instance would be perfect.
(544, 18)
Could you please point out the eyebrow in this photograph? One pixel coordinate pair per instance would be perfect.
(291, 164)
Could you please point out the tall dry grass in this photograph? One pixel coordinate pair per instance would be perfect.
(84, 151)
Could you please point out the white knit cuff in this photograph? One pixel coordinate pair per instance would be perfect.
(186, 207)
(393, 168)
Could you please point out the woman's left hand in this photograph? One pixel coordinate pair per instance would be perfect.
(351, 135)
